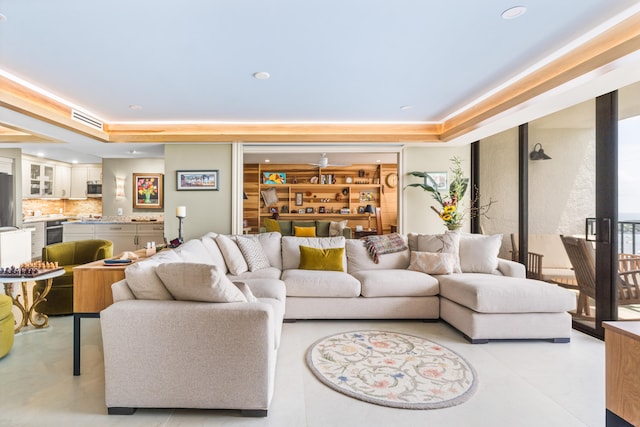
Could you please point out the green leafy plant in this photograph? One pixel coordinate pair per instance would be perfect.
(450, 202)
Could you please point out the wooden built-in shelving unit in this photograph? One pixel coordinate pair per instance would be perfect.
(322, 193)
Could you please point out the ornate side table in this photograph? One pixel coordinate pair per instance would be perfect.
(29, 312)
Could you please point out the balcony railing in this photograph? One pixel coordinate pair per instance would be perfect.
(629, 237)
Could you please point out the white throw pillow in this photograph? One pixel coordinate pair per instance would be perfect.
(143, 280)
(479, 253)
(270, 196)
(188, 281)
(432, 263)
(449, 243)
(232, 255)
(253, 253)
(336, 228)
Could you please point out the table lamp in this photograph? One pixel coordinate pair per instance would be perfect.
(369, 210)
(181, 213)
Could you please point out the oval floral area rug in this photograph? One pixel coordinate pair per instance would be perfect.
(392, 369)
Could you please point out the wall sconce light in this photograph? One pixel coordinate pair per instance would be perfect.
(120, 187)
(538, 153)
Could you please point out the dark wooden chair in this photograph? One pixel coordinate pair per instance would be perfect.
(582, 256)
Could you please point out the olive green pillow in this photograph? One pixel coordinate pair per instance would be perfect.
(321, 259)
(271, 225)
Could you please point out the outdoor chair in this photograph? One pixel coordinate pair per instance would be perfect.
(582, 256)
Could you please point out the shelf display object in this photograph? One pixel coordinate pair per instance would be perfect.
(303, 192)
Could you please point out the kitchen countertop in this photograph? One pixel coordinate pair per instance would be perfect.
(89, 220)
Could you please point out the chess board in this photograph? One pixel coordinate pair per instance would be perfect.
(28, 272)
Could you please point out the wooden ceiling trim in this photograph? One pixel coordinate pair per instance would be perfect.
(600, 51)
(274, 132)
(19, 98)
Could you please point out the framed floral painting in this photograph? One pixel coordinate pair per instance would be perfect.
(147, 190)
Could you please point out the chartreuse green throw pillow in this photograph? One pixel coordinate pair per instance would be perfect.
(271, 225)
(321, 259)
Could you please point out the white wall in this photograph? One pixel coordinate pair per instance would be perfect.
(125, 168)
(206, 210)
(418, 216)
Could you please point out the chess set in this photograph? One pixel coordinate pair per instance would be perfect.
(30, 269)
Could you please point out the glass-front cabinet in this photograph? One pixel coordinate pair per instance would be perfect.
(40, 182)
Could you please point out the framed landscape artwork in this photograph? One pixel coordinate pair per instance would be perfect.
(197, 180)
(147, 190)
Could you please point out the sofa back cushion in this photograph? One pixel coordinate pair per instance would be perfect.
(358, 258)
(322, 228)
(143, 280)
(449, 242)
(479, 253)
(271, 244)
(286, 229)
(232, 255)
(209, 242)
(187, 281)
(291, 249)
(194, 251)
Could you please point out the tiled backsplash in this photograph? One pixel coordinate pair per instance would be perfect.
(91, 206)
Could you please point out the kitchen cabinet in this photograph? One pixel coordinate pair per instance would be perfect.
(38, 238)
(80, 175)
(72, 231)
(149, 233)
(62, 183)
(79, 182)
(38, 179)
(94, 173)
(125, 236)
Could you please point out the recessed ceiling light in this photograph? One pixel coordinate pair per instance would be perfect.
(267, 160)
(406, 107)
(40, 154)
(378, 161)
(261, 75)
(135, 107)
(74, 161)
(132, 152)
(514, 12)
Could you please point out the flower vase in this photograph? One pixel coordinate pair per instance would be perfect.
(454, 227)
(147, 198)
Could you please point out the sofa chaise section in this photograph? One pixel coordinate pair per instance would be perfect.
(488, 306)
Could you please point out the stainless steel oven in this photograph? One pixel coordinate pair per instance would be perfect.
(94, 189)
(53, 230)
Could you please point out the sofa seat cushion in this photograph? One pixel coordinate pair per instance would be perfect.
(564, 275)
(264, 273)
(267, 288)
(315, 283)
(490, 293)
(396, 283)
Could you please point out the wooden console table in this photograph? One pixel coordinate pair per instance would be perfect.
(92, 294)
(622, 350)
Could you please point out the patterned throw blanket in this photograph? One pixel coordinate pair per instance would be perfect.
(384, 244)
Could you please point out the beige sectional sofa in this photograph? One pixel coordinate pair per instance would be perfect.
(192, 353)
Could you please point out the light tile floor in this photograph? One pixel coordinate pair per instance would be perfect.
(520, 384)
